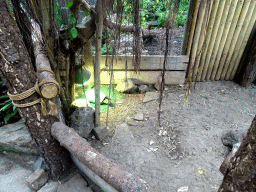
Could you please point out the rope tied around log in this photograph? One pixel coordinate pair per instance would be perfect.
(43, 101)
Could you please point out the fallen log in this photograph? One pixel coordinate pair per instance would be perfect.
(107, 169)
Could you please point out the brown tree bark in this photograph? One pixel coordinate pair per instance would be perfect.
(18, 73)
(242, 173)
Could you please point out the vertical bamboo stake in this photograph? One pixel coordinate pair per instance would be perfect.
(193, 25)
(198, 29)
(213, 38)
(99, 26)
(201, 43)
(188, 26)
(244, 43)
(208, 37)
(218, 39)
(235, 37)
(229, 20)
(230, 32)
(240, 39)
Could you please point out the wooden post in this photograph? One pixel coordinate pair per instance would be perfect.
(193, 26)
(225, 10)
(243, 44)
(207, 40)
(235, 37)
(188, 26)
(230, 32)
(212, 41)
(99, 26)
(225, 33)
(196, 39)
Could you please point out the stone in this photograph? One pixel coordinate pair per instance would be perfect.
(90, 95)
(82, 120)
(101, 132)
(49, 187)
(126, 86)
(232, 137)
(143, 88)
(16, 138)
(156, 86)
(37, 179)
(40, 164)
(139, 117)
(183, 189)
(132, 122)
(75, 184)
(150, 96)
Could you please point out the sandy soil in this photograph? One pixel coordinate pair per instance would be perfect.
(192, 141)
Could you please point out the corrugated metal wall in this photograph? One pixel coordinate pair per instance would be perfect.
(218, 32)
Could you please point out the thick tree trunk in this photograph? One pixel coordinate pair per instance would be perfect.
(241, 176)
(18, 73)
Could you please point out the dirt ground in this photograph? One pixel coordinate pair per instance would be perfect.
(186, 151)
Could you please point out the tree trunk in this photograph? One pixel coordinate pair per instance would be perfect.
(18, 73)
(241, 175)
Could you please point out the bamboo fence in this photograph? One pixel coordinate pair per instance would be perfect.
(218, 34)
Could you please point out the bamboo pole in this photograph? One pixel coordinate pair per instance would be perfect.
(188, 26)
(202, 42)
(208, 37)
(218, 40)
(224, 36)
(213, 38)
(99, 26)
(243, 43)
(235, 37)
(196, 39)
(193, 25)
(230, 32)
(240, 39)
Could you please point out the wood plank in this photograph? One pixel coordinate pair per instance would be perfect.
(149, 62)
(150, 77)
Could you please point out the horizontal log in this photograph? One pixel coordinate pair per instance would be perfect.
(149, 77)
(148, 62)
(107, 169)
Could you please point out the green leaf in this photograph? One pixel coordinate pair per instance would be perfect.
(8, 101)
(14, 108)
(87, 12)
(73, 33)
(7, 117)
(72, 19)
(7, 106)
(69, 4)
(63, 26)
(4, 97)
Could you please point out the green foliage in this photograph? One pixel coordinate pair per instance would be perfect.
(69, 4)
(104, 49)
(86, 12)
(8, 111)
(73, 33)
(155, 10)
